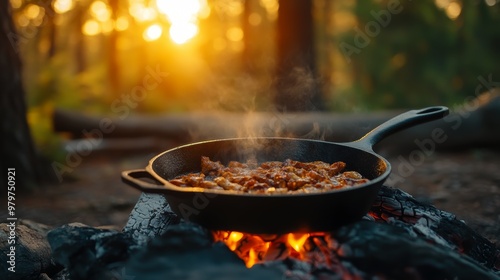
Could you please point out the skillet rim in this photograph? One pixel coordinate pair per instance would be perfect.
(168, 187)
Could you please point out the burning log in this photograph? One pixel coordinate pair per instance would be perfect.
(400, 238)
(418, 236)
(187, 251)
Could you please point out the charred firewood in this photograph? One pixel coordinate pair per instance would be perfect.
(90, 253)
(186, 251)
(390, 251)
(396, 207)
(150, 218)
(400, 238)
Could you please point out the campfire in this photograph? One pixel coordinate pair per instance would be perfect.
(253, 248)
(308, 247)
(400, 238)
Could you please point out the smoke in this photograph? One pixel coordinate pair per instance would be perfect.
(236, 93)
(259, 105)
(298, 90)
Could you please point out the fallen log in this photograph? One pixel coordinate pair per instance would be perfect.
(198, 126)
(473, 124)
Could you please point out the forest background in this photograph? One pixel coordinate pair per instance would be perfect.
(94, 56)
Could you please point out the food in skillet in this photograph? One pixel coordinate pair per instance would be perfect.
(272, 177)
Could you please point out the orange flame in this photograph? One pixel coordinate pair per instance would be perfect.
(259, 248)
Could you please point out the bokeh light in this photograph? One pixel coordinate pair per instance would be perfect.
(271, 7)
(491, 3)
(153, 32)
(179, 11)
(141, 12)
(16, 4)
(453, 10)
(122, 23)
(32, 11)
(91, 28)
(183, 32)
(183, 17)
(100, 11)
(442, 4)
(62, 6)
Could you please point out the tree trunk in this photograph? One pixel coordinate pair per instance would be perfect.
(80, 48)
(17, 150)
(247, 56)
(297, 88)
(51, 28)
(113, 65)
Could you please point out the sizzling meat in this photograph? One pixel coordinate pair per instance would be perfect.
(272, 177)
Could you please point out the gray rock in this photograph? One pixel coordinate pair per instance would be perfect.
(87, 252)
(32, 255)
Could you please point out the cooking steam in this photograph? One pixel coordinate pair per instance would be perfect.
(248, 106)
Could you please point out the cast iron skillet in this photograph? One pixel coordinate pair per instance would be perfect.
(260, 213)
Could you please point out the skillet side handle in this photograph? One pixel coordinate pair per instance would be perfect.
(133, 178)
(400, 122)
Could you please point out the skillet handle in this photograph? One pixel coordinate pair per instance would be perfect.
(400, 122)
(134, 179)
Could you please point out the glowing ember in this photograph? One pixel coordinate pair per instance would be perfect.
(260, 248)
(319, 249)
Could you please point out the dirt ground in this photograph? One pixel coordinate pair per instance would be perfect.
(465, 183)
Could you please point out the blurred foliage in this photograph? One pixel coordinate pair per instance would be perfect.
(94, 55)
(49, 144)
(428, 53)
